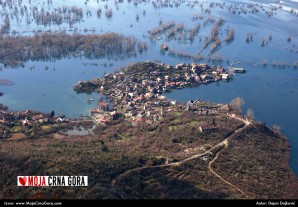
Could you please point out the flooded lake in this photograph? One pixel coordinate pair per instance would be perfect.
(265, 43)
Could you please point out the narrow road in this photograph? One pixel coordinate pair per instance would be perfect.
(217, 175)
(224, 143)
(122, 175)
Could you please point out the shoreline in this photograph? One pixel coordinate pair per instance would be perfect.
(137, 91)
(137, 102)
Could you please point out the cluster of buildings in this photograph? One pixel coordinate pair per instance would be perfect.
(136, 92)
(13, 119)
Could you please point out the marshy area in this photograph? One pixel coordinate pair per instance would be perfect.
(16, 50)
(208, 31)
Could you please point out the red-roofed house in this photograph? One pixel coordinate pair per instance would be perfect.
(103, 106)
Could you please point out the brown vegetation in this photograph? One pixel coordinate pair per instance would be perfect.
(206, 42)
(250, 113)
(161, 28)
(109, 13)
(214, 36)
(230, 35)
(15, 51)
(119, 147)
(276, 129)
(5, 82)
(171, 32)
(114, 149)
(236, 104)
(215, 29)
(209, 20)
(66, 14)
(215, 58)
(255, 160)
(180, 54)
(216, 44)
(193, 32)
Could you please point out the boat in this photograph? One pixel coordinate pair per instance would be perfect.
(239, 70)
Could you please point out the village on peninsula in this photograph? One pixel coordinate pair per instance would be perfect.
(135, 110)
(135, 94)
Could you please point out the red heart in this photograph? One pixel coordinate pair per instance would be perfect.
(23, 180)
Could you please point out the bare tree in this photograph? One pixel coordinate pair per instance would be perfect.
(236, 104)
(250, 114)
(249, 37)
(230, 35)
(276, 128)
(15, 50)
(6, 25)
(193, 32)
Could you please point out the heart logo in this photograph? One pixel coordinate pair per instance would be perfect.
(23, 180)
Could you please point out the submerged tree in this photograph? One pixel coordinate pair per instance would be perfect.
(6, 25)
(230, 35)
(193, 32)
(289, 38)
(14, 51)
(249, 37)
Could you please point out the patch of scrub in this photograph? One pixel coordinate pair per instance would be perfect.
(80, 131)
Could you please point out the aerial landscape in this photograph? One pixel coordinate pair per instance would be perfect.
(151, 99)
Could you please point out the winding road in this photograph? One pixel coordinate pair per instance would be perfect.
(223, 144)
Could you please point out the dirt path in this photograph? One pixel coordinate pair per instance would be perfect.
(122, 175)
(217, 175)
(224, 143)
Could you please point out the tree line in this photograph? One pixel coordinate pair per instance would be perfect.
(14, 51)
